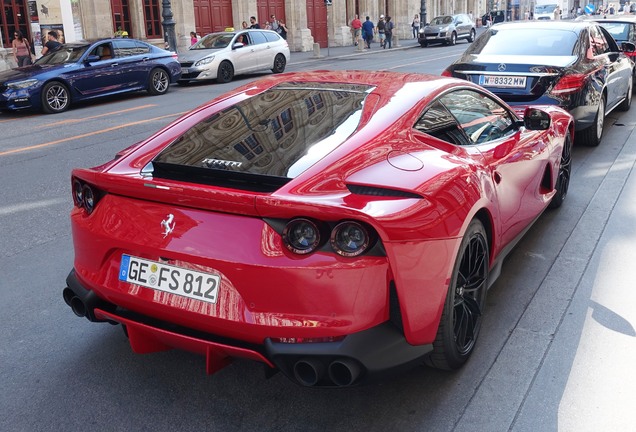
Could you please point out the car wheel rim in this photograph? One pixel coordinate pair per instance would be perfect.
(225, 72)
(56, 97)
(160, 81)
(600, 119)
(469, 290)
(563, 181)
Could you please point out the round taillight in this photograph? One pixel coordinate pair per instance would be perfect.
(78, 194)
(88, 199)
(301, 236)
(350, 239)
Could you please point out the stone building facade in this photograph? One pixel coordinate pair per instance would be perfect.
(309, 21)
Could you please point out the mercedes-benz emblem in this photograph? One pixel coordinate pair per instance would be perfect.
(501, 67)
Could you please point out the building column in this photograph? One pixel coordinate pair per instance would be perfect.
(298, 36)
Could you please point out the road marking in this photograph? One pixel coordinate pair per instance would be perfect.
(51, 143)
(69, 121)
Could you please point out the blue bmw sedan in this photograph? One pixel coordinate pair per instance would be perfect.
(86, 70)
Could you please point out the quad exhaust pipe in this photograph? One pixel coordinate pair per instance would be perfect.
(341, 372)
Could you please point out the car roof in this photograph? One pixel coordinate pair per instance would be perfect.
(618, 18)
(545, 24)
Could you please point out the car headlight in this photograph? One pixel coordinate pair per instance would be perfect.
(22, 84)
(204, 61)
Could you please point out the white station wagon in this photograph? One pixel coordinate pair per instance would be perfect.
(222, 55)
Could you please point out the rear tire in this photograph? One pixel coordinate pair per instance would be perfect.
(465, 300)
(279, 64)
(471, 37)
(627, 103)
(225, 72)
(563, 180)
(591, 137)
(158, 82)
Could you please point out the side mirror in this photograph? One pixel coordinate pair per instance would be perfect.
(628, 47)
(535, 119)
(238, 45)
(92, 58)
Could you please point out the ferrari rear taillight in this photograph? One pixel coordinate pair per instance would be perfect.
(447, 73)
(569, 84)
(349, 239)
(301, 236)
(85, 196)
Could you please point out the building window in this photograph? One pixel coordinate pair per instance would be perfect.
(121, 16)
(12, 20)
(282, 124)
(249, 147)
(152, 18)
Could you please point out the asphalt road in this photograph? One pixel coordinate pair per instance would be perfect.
(555, 352)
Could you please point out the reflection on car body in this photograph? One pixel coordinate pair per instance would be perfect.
(331, 225)
(576, 65)
(85, 70)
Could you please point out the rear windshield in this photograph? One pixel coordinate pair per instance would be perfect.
(278, 133)
(526, 42)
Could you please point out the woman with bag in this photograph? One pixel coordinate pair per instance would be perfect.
(21, 50)
(415, 25)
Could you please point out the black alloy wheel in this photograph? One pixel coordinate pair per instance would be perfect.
(55, 98)
(225, 72)
(563, 180)
(465, 301)
(279, 63)
(591, 136)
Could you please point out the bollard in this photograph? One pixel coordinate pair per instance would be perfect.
(316, 50)
(396, 40)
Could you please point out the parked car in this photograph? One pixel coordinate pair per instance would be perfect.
(223, 55)
(576, 65)
(329, 224)
(623, 29)
(496, 16)
(447, 29)
(86, 70)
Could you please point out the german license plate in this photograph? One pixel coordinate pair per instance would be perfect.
(168, 278)
(502, 81)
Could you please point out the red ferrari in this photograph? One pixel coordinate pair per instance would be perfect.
(331, 225)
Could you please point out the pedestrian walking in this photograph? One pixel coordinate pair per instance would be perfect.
(415, 25)
(368, 30)
(380, 29)
(388, 31)
(356, 28)
(21, 50)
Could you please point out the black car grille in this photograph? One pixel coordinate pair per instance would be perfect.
(186, 64)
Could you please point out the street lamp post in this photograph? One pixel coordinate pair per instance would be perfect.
(423, 13)
(168, 26)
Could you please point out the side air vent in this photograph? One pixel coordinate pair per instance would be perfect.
(384, 192)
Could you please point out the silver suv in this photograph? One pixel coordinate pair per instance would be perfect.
(447, 29)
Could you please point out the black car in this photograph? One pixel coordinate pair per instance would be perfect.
(496, 16)
(576, 65)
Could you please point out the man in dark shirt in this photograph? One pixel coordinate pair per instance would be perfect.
(254, 23)
(367, 32)
(51, 44)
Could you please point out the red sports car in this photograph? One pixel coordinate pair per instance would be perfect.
(331, 225)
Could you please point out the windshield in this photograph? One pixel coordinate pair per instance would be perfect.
(619, 31)
(214, 41)
(526, 42)
(66, 54)
(278, 133)
(543, 9)
(442, 20)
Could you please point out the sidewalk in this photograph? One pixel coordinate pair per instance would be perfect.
(349, 51)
